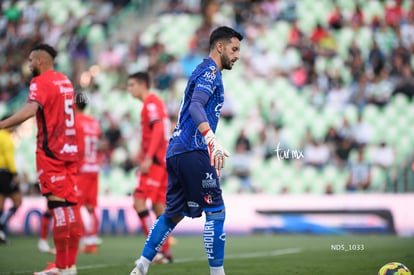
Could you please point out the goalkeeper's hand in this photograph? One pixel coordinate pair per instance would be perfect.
(216, 151)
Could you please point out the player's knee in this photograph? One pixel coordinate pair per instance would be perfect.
(47, 214)
(144, 213)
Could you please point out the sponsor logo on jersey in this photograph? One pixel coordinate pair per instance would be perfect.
(208, 199)
(152, 182)
(209, 181)
(67, 148)
(61, 82)
(192, 204)
(33, 87)
(70, 132)
(64, 90)
(206, 87)
(218, 109)
(54, 179)
(177, 133)
(210, 76)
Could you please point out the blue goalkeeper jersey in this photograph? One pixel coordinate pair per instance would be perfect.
(186, 137)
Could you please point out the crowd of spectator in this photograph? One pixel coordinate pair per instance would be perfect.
(376, 72)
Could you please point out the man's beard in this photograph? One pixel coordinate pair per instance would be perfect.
(35, 72)
(225, 62)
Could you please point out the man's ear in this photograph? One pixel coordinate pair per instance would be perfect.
(220, 47)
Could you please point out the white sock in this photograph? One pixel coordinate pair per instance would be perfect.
(217, 270)
(145, 263)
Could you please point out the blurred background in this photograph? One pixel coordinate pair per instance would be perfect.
(320, 103)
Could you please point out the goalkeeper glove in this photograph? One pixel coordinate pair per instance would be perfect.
(215, 150)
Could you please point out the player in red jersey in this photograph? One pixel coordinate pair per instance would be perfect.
(152, 182)
(88, 132)
(51, 100)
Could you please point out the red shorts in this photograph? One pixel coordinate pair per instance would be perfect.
(57, 177)
(87, 189)
(152, 185)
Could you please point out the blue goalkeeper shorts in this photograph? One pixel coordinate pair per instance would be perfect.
(193, 185)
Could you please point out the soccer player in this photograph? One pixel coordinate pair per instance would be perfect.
(152, 183)
(194, 156)
(9, 181)
(51, 100)
(89, 132)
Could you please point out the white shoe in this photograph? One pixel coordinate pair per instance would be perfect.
(160, 258)
(51, 269)
(72, 270)
(138, 270)
(69, 271)
(43, 246)
(95, 240)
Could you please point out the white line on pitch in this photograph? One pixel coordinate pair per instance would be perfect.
(247, 255)
(186, 260)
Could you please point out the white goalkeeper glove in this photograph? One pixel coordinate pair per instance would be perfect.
(215, 150)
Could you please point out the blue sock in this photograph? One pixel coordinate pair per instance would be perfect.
(158, 234)
(215, 238)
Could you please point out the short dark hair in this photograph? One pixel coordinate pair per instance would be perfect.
(47, 48)
(142, 77)
(81, 101)
(223, 32)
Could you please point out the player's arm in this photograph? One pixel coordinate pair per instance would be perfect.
(216, 151)
(20, 116)
(157, 137)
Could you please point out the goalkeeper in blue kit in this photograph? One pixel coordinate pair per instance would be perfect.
(195, 156)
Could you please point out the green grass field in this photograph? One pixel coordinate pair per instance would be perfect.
(257, 254)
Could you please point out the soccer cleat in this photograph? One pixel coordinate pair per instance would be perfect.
(138, 270)
(90, 249)
(43, 246)
(3, 239)
(95, 240)
(69, 271)
(51, 269)
(161, 258)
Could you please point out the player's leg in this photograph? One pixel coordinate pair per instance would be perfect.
(76, 227)
(12, 191)
(91, 205)
(209, 197)
(163, 226)
(3, 238)
(165, 251)
(156, 238)
(144, 214)
(43, 243)
(141, 195)
(214, 241)
(60, 232)
(16, 198)
(158, 197)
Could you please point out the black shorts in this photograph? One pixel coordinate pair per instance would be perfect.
(193, 185)
(7, 186)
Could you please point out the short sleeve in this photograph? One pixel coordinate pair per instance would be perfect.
(36, 93)
(207, 81)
